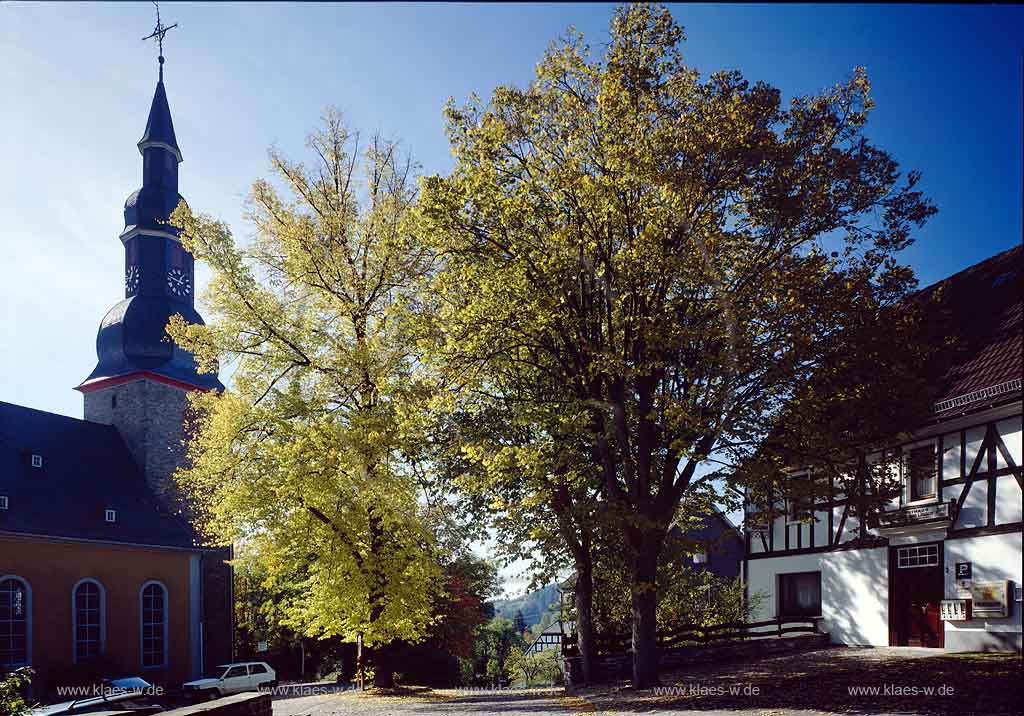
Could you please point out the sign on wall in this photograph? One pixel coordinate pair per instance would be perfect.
(990, 599)
(963, 570)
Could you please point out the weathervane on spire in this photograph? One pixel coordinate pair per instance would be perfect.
(158, 34)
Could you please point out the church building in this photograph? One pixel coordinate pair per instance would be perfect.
(101, 574)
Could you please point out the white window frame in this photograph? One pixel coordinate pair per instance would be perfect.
(110, 515)
(74, 617)
(28, 617)
(917, 551)
(37, 460)
(907, 490)
(142, 616)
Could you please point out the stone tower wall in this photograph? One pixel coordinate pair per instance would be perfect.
(149, 415)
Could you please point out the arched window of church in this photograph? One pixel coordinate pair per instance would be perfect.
(15, 622)
(89, 602)
(153, 597)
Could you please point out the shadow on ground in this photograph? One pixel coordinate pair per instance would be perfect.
(836, 679)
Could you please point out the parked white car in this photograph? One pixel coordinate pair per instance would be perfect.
(233, 679)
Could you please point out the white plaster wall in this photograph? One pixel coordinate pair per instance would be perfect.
(1010, 432)
(855, 596)
(994, 558)
(1008, 500)
(761, 580)
(974, 512)
(854, 591)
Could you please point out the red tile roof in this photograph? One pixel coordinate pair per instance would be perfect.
(985, 314)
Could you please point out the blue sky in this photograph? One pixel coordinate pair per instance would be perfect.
(76, 82)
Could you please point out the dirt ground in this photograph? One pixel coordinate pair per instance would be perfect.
(835, 680)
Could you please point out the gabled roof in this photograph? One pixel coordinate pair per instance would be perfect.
(86, 469)
(983, 310)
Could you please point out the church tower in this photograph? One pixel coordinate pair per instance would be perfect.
(141, 379)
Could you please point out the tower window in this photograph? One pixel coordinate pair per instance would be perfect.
(3, 502)
(110, 515)
(37, 461)
(113, 401)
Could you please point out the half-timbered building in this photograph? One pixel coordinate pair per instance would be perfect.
(938, 564)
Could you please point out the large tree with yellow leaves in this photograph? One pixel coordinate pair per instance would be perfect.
(310, 458)
(679, 257)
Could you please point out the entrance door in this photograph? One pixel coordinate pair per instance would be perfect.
(916, 588)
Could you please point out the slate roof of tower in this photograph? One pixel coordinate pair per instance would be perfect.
(132, 337)
(985, 314)
(86, 470)
(159, 126)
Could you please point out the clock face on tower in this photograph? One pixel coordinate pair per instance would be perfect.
(178, 282)
(131, 279)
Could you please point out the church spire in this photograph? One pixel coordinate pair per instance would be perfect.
(159, 127)
(159, 279)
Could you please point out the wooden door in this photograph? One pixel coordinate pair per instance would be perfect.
(916, 588)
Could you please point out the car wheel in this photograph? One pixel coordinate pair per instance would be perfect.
(213, 694)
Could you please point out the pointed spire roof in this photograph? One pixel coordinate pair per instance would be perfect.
(159, 127)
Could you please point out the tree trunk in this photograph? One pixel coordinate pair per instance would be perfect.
(383, 667)
(584, 596)
(644, 607)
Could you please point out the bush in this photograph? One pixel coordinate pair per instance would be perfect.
(13, 687)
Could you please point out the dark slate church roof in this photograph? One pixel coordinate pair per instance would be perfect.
(132, 337)
(86, 470)
(159, 127)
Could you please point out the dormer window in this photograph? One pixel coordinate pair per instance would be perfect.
(700, 557)
(3, 502)
(110, 515)
(37, 460)
(919, 469)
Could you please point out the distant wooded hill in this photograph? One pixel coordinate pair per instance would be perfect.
(538, 607)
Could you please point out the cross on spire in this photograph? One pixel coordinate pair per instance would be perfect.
(158, 34)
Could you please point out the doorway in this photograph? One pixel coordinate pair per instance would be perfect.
(916, 588)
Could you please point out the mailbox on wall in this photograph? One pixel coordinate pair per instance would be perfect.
(954, 610)
(990, 599)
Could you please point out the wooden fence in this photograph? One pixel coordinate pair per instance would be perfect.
(689, 635)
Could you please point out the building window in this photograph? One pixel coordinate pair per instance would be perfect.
(89, 604)
(3, 502)
(925, 555)
(800, 504)
(110, 515)
(800, 594)
(921, 472)
(154, 625)
(15, 622)
(37, 461)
